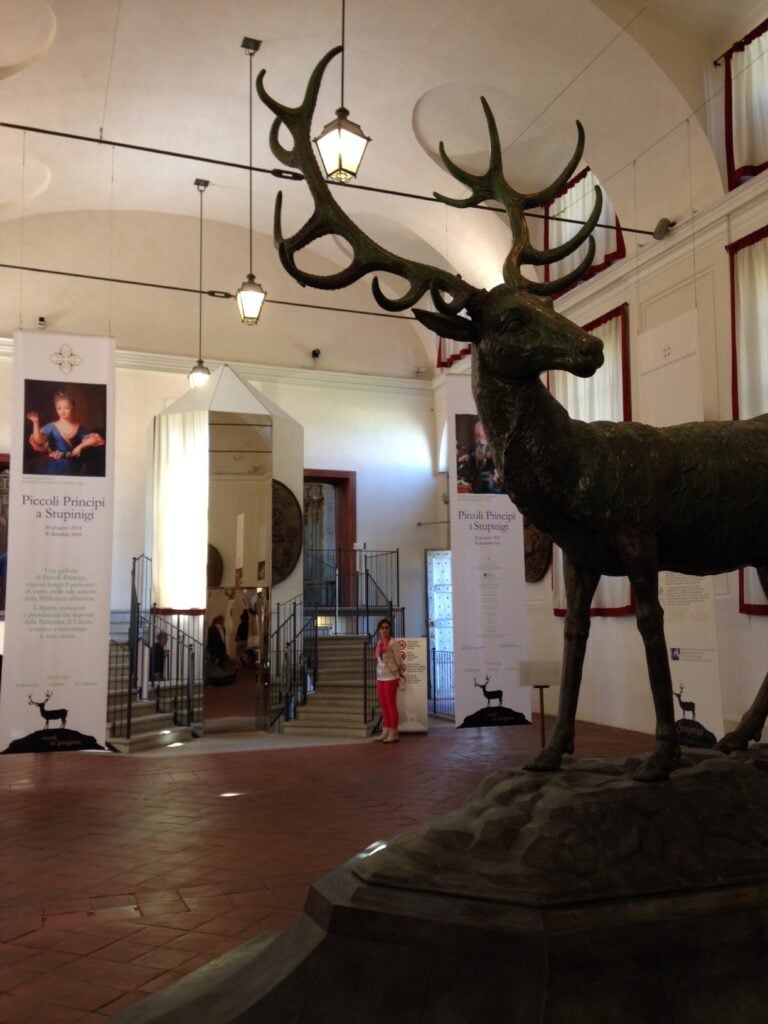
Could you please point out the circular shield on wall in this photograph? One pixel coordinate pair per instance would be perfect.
(538, 552)
(287, 532)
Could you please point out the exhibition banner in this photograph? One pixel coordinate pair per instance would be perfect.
(55, 662)
(412, 701)
(488, 575)
(670, 391)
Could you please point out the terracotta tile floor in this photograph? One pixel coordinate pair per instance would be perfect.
(120, 874)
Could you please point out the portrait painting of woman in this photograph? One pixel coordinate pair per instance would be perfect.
(60, 444)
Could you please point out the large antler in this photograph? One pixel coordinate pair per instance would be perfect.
(329, 219)
(493, 185)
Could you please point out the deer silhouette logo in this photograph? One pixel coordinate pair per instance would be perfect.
(489, 694)
(50, 714)
(685, 705)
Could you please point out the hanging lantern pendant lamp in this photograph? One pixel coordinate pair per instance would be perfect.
(200, 374)
(342, 142)
(250, 295)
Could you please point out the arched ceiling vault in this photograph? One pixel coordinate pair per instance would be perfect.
(173, 76)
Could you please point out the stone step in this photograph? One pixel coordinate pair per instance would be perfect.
(149, 740)
(297, 728)
(331, 703)
(161, 723)
(328, 716)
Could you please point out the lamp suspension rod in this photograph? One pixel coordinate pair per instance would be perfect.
(250, 161)
(286, 175)
(201, 186)
(343, 49)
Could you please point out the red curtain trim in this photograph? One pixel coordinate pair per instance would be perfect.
(623, 312)
(744, 607)
(605, 613)
(730, 159)
(733, 249)
(443, 362)
(610, 257)
(734, 348)
(744, 243)
(568, 186)
(737, 174)
(750, 37)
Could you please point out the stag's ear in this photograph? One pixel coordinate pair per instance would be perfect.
(458, 328)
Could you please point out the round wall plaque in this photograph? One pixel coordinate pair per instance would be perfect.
(287, 532)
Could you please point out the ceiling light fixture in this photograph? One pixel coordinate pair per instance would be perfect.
(250, 296)
(341, 143)
(200, 374)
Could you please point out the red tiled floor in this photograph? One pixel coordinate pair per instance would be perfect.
(119, 875)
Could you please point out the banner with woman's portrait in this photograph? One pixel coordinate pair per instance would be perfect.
(55, 660)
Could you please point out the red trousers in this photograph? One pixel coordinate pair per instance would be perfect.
(387, 693)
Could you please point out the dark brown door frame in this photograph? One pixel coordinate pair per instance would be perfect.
(345, 484)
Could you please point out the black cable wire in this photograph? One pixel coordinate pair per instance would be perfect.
(212, 293)
(285, 175)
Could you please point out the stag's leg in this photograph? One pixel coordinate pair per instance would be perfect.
(580, 586)
(642, 569)
(751, 725)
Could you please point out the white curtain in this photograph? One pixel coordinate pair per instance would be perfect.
(576, 203)
(180, 510)
(750, 303)
(747, 118)
(600, 397)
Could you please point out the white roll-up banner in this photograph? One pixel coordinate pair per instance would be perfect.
(55, 662)
(488, 573)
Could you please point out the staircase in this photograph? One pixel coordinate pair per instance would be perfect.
(337, 707)
(149, 728)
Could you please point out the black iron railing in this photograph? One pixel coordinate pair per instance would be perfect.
(370, 699)
(291, 667)
(441, 697)
(351, 586)
(170, 672)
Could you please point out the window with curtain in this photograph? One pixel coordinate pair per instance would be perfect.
(605, 396)
(575, 202)
(749, 363)
(746, 106)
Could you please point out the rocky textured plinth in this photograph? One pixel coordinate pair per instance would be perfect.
(590, 832)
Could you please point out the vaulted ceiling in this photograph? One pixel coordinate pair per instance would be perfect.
(170, 75)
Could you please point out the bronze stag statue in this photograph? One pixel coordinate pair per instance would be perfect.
(621, 499)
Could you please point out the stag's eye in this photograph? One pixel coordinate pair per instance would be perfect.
(513, 321)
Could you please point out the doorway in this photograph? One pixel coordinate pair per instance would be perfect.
(440, 619)
(330, 531)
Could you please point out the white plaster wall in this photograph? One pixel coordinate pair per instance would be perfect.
(384, 432)
(386, 435)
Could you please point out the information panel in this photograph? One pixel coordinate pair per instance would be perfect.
(55, 661)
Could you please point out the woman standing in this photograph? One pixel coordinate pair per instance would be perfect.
(389, 678)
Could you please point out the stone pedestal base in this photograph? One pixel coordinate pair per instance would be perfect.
(379, 942)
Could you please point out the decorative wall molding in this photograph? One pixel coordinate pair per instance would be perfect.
(256, 373)
(729, 218)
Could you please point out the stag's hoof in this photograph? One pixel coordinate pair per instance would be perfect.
(656, 767)
(732, 741)
(547, 760)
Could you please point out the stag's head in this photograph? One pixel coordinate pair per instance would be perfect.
(514, 328)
